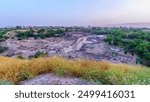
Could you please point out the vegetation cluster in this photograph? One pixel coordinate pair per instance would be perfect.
(41, 33)
(136, 42)
(103, 72)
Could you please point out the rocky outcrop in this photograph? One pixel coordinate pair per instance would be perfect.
(51, 79)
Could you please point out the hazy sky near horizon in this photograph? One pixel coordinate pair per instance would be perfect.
(73, 12)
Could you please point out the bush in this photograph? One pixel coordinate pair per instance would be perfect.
(39, 54)
(5, 82)
(2, 49)
(20, 57)
(23, 75)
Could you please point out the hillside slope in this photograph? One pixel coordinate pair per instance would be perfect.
(16, 70)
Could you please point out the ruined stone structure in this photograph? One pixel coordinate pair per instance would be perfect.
(73, 45)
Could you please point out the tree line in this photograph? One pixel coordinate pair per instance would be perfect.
(133, 41)
(41, 33)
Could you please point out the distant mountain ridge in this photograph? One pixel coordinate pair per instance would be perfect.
(134, 25)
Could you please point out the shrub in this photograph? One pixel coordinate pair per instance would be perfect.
(20, 57)
(5, 82)
(39, 54)
(2, 49)
(23, 75)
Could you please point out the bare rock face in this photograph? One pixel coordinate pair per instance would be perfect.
(51, 79)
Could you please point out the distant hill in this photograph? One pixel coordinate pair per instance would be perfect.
(134, 25)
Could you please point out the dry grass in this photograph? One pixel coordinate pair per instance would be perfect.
(15, 70)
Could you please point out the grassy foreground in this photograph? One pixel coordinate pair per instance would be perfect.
(15, 70)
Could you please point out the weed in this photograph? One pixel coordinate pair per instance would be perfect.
(101, 72)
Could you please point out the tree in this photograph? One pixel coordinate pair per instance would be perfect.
(109, 39)
(41, 31)
(18, 27)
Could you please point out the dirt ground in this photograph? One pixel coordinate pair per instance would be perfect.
(73, 45)
(51, 79)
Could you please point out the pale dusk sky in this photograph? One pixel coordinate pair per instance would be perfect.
(72, 12)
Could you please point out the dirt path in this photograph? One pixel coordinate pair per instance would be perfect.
(76, 45)
(51, 79)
